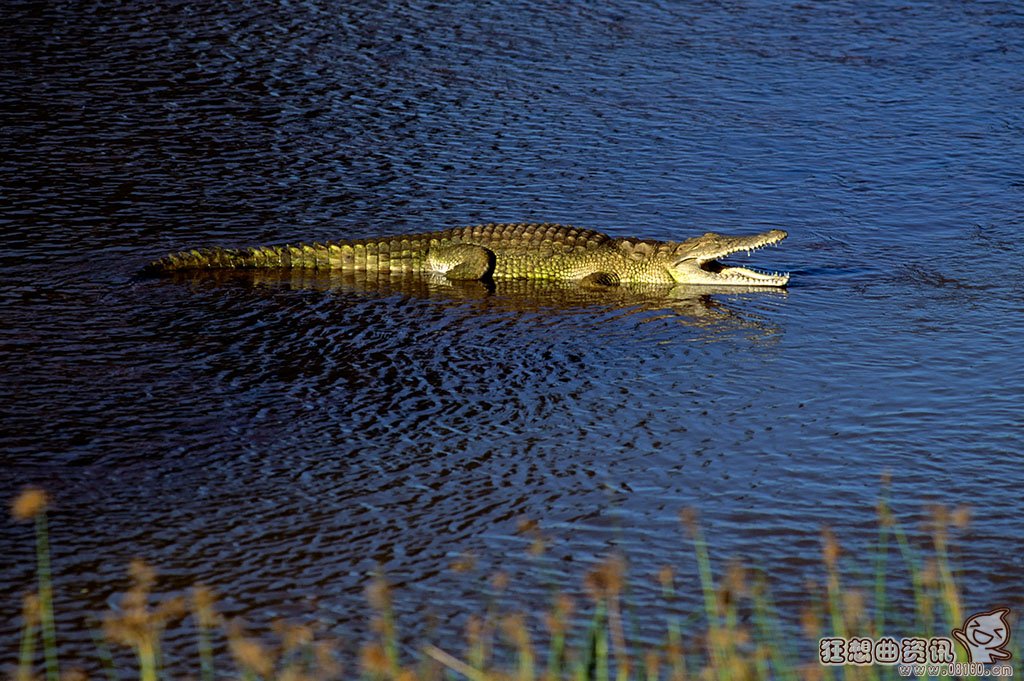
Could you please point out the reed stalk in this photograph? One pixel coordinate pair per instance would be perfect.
(744, 635)
(26, 653)
(46, 598)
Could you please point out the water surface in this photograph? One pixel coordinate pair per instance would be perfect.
(283, 437)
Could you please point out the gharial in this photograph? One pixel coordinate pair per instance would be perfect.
(507, 251)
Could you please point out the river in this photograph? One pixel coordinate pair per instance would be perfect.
(284, 437)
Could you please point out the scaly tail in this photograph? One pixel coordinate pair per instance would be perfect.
(260, 257)
(403, 254)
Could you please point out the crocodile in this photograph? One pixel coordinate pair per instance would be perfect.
(544, 252)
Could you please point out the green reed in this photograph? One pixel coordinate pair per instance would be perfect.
(738, 633)
(31, 505)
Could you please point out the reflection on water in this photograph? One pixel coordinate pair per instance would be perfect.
(696, 306)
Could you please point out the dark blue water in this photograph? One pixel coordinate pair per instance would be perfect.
(280, 437)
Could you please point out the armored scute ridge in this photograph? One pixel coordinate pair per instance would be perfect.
(506, 251)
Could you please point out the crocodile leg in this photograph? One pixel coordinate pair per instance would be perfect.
(461, 261)
(600, 280)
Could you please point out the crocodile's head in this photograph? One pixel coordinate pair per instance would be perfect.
(696, 261)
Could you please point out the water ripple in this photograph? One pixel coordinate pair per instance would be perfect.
(279, 437)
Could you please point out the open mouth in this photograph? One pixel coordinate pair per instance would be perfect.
(745, 275)
(731, 274)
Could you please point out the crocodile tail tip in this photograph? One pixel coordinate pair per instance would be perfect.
(157, 268)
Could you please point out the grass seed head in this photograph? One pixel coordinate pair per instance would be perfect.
(961, 517)
(514, 627)
(464, 563)
(30, 503)
(885, 518)
(829, 549)
(499, 581)
(940, 515)
(325, 654)
(930, 573)
(690, 519)
(736, 578)
(810, 622)
(130, 629)
(374, 660)
(30, 609)
(249, 653)
(666, 576)
(527, 526)
(854, 607)
(203, 602)
(379, 594)
(294, 636)
(557, 620)
(607, 578)
(142, 574)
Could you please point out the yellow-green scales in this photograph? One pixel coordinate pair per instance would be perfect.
(498, 251)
